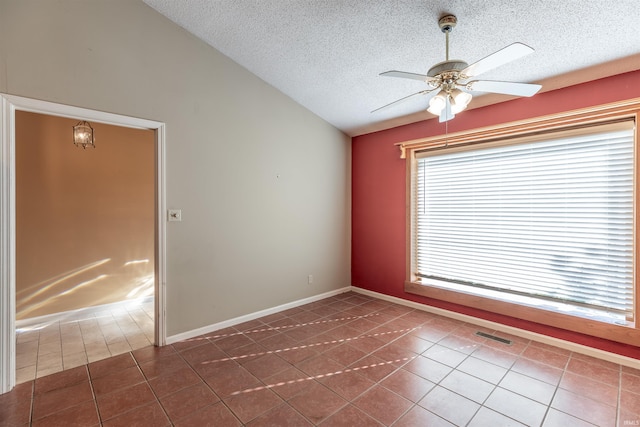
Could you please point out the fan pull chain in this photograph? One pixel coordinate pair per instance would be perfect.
(446, 134)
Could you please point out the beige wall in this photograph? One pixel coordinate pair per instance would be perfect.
(84, 217)
(263, 184)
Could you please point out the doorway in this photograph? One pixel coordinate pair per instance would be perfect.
(10, 106)
(84, 243)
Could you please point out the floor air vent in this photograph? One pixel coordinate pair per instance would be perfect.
(493, 337)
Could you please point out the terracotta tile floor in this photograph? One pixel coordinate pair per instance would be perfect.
(348, 360)
(46, 348)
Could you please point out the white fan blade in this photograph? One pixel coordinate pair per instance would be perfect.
(405, 75)
(446, 114)
(422, 92)
(507, 88)
(496, 59)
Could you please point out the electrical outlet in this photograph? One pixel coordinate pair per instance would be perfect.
(310, 279)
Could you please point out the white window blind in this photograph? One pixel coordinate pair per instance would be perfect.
(550, 218)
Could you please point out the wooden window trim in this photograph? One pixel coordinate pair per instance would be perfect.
(629, 109)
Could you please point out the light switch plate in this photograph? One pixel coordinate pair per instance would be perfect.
(175, 215)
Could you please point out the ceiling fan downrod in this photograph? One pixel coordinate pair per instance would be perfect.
(447, 71)
(447, 23)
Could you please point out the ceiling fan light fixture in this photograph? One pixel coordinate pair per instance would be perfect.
(460, 97)
(455, 107)
(437, 103)
(459, 100)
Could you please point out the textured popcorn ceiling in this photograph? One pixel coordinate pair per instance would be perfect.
(327, 54)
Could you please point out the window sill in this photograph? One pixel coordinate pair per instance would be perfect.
(557, 307)
(625, 333)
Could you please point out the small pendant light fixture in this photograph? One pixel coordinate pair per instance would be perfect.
(83, 135)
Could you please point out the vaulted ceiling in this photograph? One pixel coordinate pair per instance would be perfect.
(327, 54)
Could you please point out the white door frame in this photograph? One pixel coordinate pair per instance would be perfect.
(9, 105)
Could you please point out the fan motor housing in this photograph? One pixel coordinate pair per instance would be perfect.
(453, 66)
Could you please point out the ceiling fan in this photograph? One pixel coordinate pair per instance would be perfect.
(449, 81)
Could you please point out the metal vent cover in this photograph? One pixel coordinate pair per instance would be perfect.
(493, 337)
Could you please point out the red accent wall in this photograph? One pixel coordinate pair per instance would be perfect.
(379, 202)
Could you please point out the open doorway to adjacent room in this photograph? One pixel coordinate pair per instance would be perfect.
(84, 228)
(84, 243)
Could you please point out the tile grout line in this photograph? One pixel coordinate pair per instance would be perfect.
(378, 383)
(286, 402)
(350, 401)
(201, 379)
(298, 324)
(454, 369)
(555, 390)
(93, 393)
(33, 398)
(619, 400)
(146, 380)
(495, 386)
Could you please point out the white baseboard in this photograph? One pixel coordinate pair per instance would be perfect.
(557, 342)
(32, 322)
(252, 316)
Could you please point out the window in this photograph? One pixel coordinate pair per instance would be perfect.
(533, 219)
(544, 220)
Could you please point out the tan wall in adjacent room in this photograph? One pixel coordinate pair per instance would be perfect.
(84, 217)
